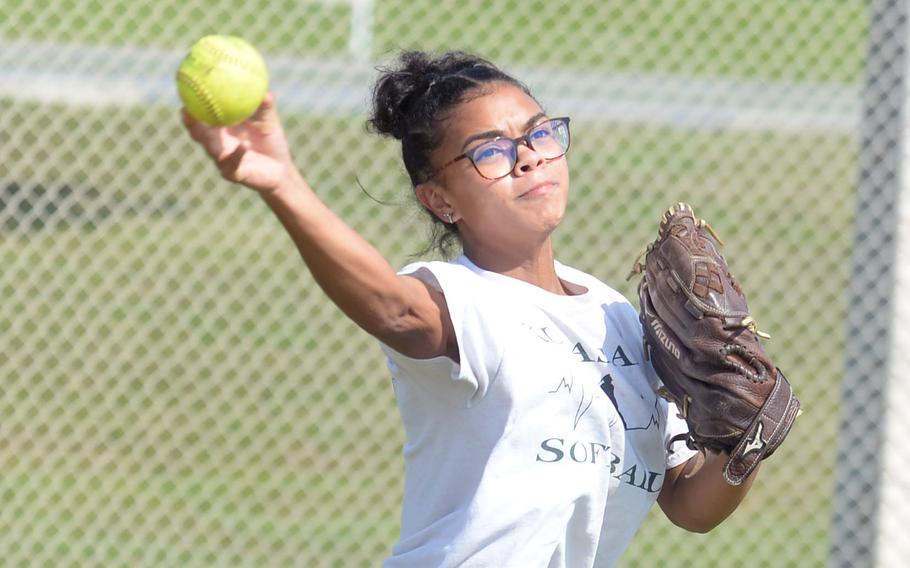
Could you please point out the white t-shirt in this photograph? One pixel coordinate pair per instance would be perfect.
(546, 446)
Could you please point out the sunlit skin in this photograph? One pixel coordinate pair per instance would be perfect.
(505, 224)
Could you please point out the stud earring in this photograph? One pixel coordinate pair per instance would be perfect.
(449, 218)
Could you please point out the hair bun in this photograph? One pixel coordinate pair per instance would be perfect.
(412, 96)
(397, 89)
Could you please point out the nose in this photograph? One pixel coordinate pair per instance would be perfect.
(526, 158)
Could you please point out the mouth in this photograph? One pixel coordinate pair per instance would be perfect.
(539, 190)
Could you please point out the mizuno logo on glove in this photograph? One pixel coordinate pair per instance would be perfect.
(664, 339)
(755, 443)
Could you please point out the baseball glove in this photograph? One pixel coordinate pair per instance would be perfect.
(705, 347)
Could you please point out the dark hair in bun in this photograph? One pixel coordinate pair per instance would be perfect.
(410, 101)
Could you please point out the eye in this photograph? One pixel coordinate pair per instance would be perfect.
(543, 131)
(489, 151)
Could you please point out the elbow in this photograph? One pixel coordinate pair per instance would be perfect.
(696, 519)
(697, 523)
(700, 526)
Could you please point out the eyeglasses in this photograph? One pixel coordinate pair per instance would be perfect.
(496, 158)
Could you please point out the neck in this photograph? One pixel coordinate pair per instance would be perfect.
(535, 267)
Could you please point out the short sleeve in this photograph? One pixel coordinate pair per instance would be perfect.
(476, 318)
(679, 452)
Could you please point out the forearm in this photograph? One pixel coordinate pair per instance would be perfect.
(398, 310)
(350, 270)
(700, 502)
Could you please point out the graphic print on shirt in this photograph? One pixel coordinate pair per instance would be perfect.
(628, 402)
(606, 384)
(585, 399)
(620, 378)
(635, 411)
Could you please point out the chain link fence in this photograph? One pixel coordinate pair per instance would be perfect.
(176, 391)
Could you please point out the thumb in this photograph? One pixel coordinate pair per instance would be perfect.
(266, 116)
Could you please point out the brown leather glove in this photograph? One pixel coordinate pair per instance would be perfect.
(705, 347)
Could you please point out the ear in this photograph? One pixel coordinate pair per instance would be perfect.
(432, 196)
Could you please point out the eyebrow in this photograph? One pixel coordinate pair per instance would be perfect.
(499, 133)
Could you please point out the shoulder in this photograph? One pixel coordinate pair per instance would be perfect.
(455, 282)
(423, 268)
(436, 273)
(602, 290)
(616, 310)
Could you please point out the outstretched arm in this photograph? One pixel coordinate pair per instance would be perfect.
(701, 502)
(399, 310)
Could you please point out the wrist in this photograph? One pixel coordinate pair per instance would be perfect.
(288, 186)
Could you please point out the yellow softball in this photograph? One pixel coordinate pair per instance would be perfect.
(222, 80)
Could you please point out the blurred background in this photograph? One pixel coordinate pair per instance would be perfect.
(175, 390)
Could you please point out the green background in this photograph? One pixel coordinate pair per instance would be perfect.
(178, 391)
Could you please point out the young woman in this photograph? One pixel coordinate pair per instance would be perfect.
(534, 434)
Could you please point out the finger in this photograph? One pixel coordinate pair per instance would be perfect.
(268, 105)
(229, 164)
(206, 136)
(186, 118)
(265, 119)
(223, 144)
(193, 126)
(217, 141)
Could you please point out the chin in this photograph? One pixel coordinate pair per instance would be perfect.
(548, 223)
(555, 211)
